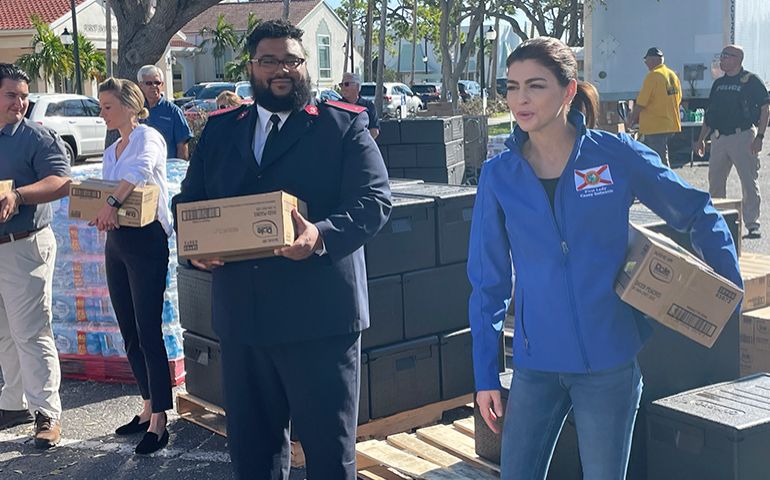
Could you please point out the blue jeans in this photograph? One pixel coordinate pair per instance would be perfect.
(605, 405)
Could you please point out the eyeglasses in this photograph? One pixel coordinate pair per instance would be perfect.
(153, 83)
(727, 55)
(271, 64)
(347, 84)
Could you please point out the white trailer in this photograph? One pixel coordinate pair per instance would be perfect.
(691, 34)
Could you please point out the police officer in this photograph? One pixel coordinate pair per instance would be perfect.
(350, 86)
(33, 157)
(739, 109)
(290, 325)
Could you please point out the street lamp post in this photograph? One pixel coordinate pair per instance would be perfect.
(73, 40)
(425, 57)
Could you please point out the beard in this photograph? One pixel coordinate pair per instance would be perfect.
(295, 100)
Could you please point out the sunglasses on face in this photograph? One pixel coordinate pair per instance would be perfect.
(347, 84)
(153, 83)
(727, 55)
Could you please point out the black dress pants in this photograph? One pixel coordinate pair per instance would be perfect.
(314, 383)
(137, 265)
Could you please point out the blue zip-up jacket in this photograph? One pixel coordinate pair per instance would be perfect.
(566, 259)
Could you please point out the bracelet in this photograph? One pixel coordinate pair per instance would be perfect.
(19, 197)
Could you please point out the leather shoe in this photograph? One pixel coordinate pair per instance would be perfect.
(133, 427)
(11, 418)
(47, 431)
(151, 443)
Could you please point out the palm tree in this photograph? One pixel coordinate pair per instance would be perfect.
(221, 38)
(93, 63)
(51, 59)
(236, 68)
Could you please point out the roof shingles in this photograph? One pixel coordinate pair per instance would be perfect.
(237, 14)
(15, 14)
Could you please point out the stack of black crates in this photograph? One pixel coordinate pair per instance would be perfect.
(429, 148)
(418, 348)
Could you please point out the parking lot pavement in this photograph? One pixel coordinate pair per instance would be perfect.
(90, 451)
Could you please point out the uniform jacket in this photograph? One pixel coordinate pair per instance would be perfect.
(325, 156)
(566, 260)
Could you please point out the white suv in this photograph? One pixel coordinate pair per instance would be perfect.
(75, 118)
(399, 99)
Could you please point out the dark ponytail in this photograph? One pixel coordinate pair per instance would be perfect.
(587, 101)
(557, 57)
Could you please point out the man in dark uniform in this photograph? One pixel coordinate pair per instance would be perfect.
(290, 325)
(739, 109)
(350, 86)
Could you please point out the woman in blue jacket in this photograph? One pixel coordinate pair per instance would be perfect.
(554, 209)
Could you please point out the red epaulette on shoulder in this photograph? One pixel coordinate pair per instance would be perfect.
(220, 111)
(348, 107)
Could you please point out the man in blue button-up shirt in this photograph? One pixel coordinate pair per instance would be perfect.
(165, 117)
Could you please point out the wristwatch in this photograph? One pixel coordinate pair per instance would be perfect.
(113, 202)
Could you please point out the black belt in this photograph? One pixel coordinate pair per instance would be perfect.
(730, 131)
(12, 237)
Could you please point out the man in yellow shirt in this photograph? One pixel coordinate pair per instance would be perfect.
(657, 106)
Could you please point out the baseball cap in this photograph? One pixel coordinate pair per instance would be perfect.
(654, 52)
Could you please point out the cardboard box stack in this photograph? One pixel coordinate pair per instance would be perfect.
(85, 329)
(755, 317)
(429, 148)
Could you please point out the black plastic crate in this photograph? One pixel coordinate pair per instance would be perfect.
(398, 182)
(719, 432)
(363, 398)
(453, 174)
(194, 291)
(401, 156)
(396, 173)
(436, 300)
(390, 132)
(432, 129)
(454, 209)
(384, 152)
(565, 463)
(407, 241)
(386, 312)
(203, 362)
(438, 154)
(403, 376)
(456, 363)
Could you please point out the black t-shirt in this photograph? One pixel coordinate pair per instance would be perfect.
(371, 110)
(550, 189)
(734, 102)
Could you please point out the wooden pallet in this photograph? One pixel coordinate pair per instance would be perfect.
(212, 418)
(439, 452)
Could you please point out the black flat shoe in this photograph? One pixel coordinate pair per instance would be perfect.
(151, 443)
(133, 427)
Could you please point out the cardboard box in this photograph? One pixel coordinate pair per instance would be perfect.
(89, 196)
(755, 341)
(7, 186)
(757, 263)
(755, 284)
(237, 228)
(666, 282)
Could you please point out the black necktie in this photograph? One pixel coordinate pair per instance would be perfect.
(275, 120)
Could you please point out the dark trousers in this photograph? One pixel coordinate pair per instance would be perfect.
(315, 383)
(137, 265)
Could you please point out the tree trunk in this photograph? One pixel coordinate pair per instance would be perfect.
(414, 40)
(368, 41)
(108, 39)
(286, 4)
(574, 17)
(350, 40)
(379, 90)
(447, 86)
(456, 70)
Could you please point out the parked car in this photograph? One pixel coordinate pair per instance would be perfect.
(428, 92)
(468, 89)
(191, 93)
(243, 90)
(75, 118)
(501, 84)
(326, 95)
(209, 95)
(398, 98)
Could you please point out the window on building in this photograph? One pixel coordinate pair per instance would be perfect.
(324, 57)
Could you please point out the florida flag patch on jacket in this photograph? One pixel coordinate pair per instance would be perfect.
(594, 180)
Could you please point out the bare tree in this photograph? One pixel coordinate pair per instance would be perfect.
(145, 29)
(552, 18)
(379, 91)
(452, 70)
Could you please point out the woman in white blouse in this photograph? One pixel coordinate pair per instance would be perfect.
(137, 258)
